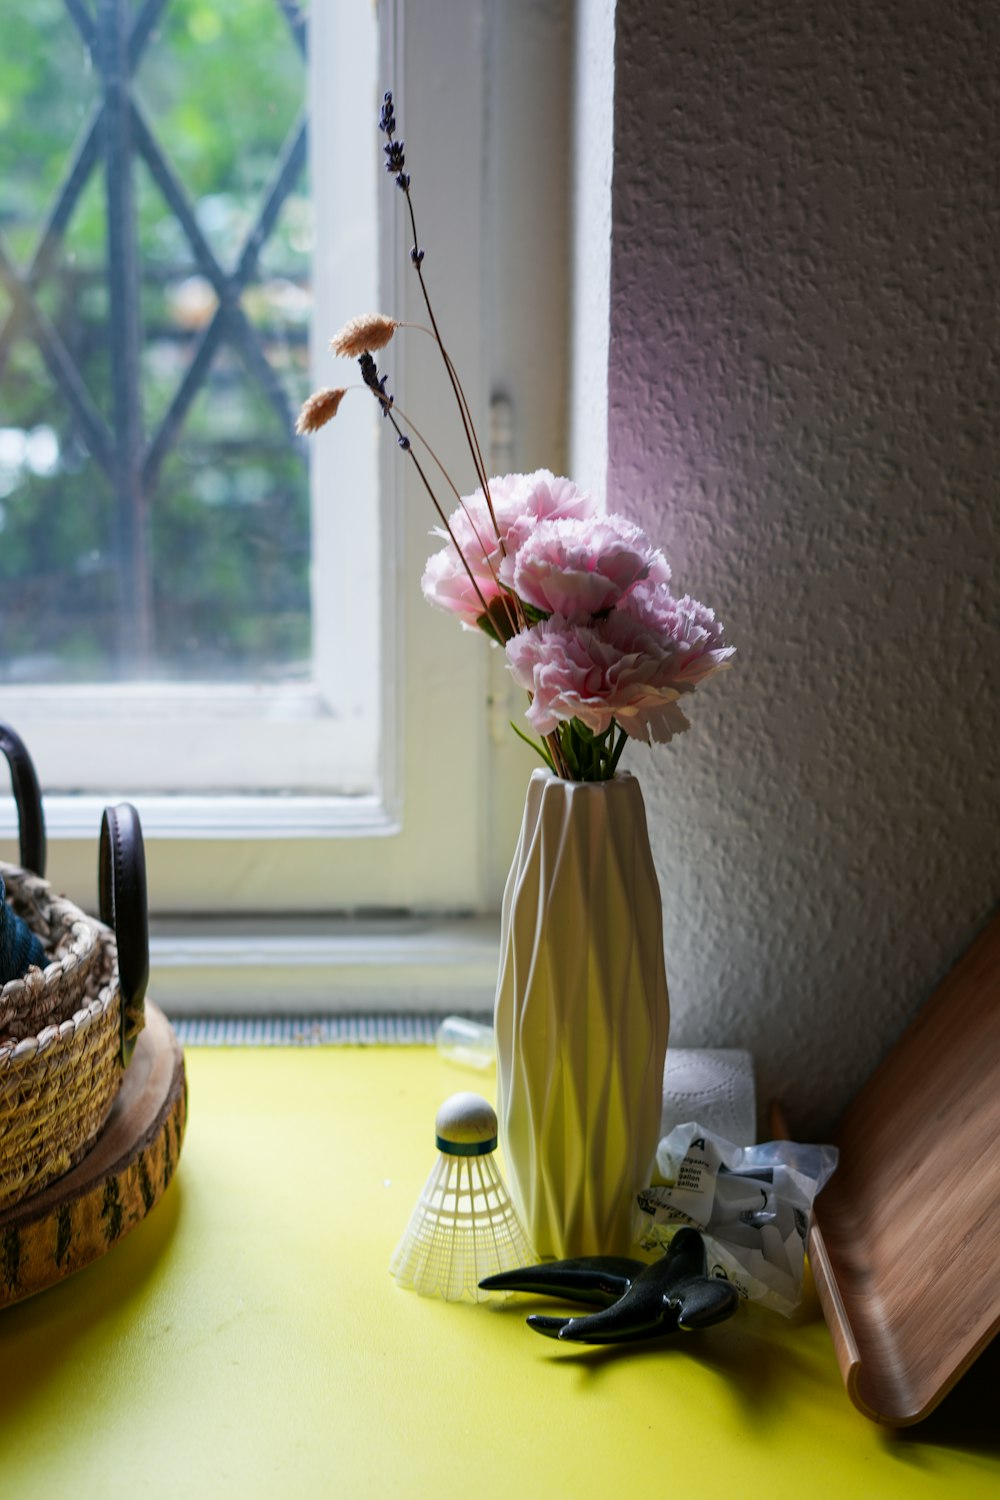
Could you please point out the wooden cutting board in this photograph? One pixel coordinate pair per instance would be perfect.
(905, 1240)
(82, 1216)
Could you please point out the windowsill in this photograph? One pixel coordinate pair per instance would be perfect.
(302, 965)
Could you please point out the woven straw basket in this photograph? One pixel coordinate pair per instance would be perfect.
(67, 1031)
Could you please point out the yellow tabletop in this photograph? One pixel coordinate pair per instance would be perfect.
(247, 1339)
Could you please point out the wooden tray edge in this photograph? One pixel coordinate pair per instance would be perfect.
(877, 1372)
(876, 1396)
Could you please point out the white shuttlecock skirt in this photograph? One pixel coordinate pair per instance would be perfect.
(463, 1228)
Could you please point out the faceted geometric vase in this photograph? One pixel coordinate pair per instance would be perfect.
(581, 1015)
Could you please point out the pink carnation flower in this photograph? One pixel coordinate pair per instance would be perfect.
(447, 584)
(446, 580)
(582, 567)
(520, 502)
(685, 627)
(542, 497)
(622, 667)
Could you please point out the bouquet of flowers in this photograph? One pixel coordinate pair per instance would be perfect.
(580, 601)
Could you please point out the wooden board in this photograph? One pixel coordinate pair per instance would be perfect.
(82, 1216)
(905, 1241)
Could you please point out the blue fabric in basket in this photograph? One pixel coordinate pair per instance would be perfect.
(19, 947)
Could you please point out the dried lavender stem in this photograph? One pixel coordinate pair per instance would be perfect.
(520, 622)
(408, 448)
(515, 623)
(395, 164)
(480, 462)
(467, 423)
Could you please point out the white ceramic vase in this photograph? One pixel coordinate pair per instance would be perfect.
(581, 1015)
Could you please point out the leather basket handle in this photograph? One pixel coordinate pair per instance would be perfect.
(27, 799)
(122, 887)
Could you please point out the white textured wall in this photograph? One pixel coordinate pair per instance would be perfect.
(803, 409)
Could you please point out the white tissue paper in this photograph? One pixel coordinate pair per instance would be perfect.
(751, 1203)
(713, 1085)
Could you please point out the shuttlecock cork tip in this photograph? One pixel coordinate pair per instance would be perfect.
(466, 1126)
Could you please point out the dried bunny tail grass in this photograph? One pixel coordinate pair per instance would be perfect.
(365, 335)
(319, 408)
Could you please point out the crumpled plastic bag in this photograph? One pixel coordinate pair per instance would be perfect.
(751, 1204)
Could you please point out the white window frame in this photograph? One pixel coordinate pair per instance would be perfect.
(379, 879)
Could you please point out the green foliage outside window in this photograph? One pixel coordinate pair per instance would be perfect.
(220, 84)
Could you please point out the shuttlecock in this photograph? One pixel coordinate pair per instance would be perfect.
(464, 1226)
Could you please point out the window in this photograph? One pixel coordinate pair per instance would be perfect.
(157, 521)
(300, 732)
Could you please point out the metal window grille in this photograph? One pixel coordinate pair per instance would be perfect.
(130, 451)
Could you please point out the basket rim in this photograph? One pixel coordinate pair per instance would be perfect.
(83, 935)
(24, 1052)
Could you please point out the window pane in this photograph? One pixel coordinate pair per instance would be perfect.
(154, 503)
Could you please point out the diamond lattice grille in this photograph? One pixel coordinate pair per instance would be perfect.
(163, 530)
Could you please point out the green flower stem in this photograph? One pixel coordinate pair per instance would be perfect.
(616, 757)
(575, 753)
(539, 749)
(589, 756)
